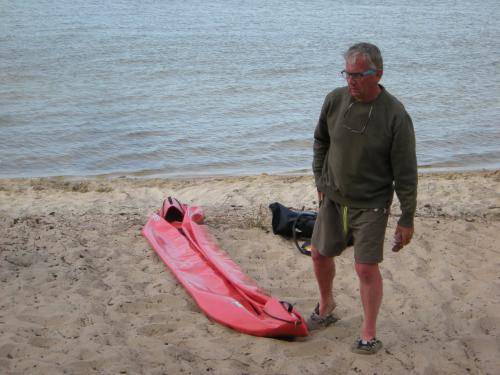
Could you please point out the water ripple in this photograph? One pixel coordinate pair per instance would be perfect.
(178, 88)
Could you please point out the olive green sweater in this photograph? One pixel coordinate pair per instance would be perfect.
(362, 170)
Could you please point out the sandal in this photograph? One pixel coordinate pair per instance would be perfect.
(316, 321)
(366, 347)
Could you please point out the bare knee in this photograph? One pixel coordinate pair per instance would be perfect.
(368, 273)
(317, 257)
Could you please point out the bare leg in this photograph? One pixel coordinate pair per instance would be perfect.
(371, 290)
(324, 269)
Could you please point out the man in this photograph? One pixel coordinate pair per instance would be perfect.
(364, 150)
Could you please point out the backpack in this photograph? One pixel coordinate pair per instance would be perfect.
(293, 224)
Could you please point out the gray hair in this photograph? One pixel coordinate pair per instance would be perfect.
(367, 50)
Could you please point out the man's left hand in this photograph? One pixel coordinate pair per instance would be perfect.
(405, 234)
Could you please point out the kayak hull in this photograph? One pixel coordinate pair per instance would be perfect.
(217, 284)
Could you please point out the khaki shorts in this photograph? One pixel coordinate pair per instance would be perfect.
(338, 226)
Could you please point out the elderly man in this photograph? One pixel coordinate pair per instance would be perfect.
(364, 150)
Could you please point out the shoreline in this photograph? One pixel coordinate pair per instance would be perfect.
(432, 188)
(132, 177)
(82, 292)
(148, 175)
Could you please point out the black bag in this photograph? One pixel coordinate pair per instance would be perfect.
(294, 224)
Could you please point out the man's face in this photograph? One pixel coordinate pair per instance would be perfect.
(362, 88)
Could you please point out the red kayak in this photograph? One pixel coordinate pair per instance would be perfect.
(218, 285)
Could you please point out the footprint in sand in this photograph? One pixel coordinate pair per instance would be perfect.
(155, 329)
(489, 325)
(458, 290)
(43, 342)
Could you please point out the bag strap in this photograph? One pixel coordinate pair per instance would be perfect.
(294, 233)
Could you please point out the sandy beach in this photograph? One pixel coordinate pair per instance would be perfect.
(81, 291)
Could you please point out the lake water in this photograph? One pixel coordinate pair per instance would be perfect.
(186, 88)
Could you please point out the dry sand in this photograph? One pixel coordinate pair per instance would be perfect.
(81, 291)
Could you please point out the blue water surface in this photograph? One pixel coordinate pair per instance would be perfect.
(186, 88)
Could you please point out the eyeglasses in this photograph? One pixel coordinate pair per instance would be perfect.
(358, 75)
(346, 114)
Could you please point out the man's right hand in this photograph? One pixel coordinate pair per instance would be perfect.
(321, 196)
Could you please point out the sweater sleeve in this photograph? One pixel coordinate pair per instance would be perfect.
(404, 167)
(321, 142)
